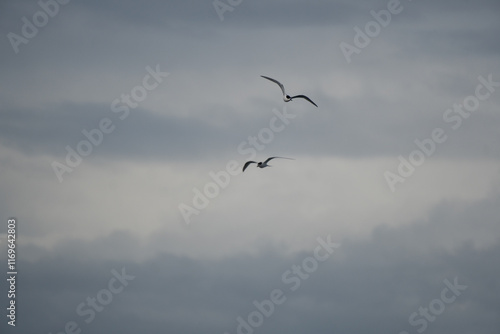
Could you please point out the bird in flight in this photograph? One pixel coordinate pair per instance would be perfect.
(262, 164)
(286, 97)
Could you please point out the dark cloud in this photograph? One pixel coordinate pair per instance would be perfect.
(365, 286)
(361, 129)
(141, 134)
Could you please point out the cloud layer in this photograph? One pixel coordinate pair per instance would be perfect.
(115, 211)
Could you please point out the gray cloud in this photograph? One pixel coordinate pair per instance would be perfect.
(356, 130)
(121, 211)
(365, 286)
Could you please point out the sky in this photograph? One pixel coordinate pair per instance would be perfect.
(124, 127)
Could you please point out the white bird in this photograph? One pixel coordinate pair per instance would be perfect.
(263, 164)
(286, 97)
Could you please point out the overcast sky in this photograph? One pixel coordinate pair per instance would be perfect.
(124, 126)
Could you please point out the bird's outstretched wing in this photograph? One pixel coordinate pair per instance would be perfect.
(303, 97)
(276, 82)
(248, 163)
(271, 158)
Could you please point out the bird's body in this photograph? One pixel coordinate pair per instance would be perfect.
(262, 164)
(286, 97)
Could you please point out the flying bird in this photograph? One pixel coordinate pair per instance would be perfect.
(263, 164)
(286, 97)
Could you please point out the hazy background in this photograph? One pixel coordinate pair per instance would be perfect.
(120, 207)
